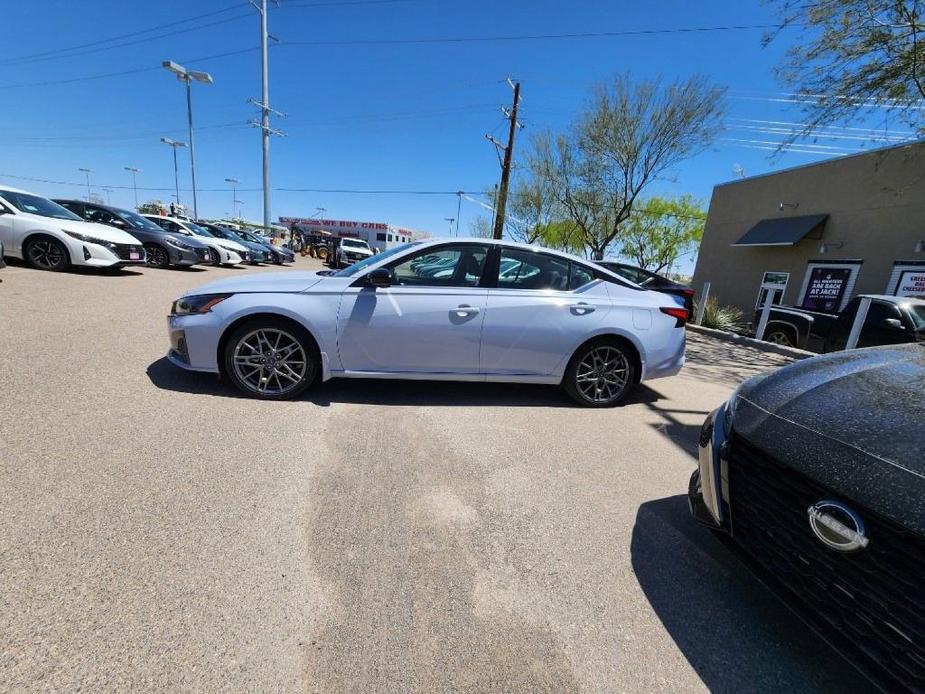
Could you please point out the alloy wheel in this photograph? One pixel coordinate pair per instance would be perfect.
(46, 254)
(156, 256)
(602, 375)
(270, 361)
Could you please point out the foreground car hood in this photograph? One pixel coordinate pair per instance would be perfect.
(853, 421)
(267, 282)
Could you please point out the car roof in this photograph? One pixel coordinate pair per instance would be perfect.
(8, 189)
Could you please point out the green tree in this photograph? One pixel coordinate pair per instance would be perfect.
(852, 54)
(629, 134)
(661, 230)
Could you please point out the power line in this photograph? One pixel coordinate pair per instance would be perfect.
(531, 37)
(186, 20)
(157, 68)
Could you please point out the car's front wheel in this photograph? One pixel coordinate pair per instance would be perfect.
(46, 253)
(271, 359)
(600, 374)
(156, 256)
(780, 336)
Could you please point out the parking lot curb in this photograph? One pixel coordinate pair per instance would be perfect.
(752, 342)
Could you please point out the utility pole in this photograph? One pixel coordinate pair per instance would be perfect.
(506, 166)
(107, 191)
(234, 195)
(88, 172)
(450, 220)
(459, 194)
(265, 110)
(135, 172)
(176, 178)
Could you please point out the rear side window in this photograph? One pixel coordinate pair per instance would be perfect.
(579, 276)
(530, 270)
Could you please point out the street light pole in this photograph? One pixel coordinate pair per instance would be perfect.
(187, 77)
(234, 196)
(107, 191)
(87, 172)
(450, 220)
(176, 179)
(134, 183)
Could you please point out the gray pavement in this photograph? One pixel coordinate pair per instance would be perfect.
(160, 533)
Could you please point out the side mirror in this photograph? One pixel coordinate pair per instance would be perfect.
(3, 210)
(893, 324)
(380, 277)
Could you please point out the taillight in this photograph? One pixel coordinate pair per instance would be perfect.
(678, 313)
(687, 291)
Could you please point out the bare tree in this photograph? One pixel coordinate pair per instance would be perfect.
(627, 136)
(480, 227)
(855, 55)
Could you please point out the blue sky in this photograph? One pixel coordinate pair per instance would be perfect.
(361, 114)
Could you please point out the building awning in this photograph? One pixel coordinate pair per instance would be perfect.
(782, 231)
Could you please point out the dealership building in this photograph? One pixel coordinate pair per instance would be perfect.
(378, 235)
(814, 236)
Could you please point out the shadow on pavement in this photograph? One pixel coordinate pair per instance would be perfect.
(733, 632)
(714, 360)
(129, 271)
(166, 376)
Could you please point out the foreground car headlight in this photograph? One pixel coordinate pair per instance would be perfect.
(89, 239)
(202, 303)
(179, 245)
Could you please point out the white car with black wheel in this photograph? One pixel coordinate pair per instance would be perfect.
(224, 251)
(49, 237)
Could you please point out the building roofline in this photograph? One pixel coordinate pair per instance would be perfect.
(824, 162)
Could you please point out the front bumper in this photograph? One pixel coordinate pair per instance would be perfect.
(179, 256)
(111, 255)
(708, 491)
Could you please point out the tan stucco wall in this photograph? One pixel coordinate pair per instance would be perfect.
(875, 203)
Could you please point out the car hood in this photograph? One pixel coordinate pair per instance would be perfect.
(99, 231)
(224, 243)
(853, 421)
(264, 282)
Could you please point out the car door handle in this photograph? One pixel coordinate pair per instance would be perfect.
(464, 310)
(581, 308)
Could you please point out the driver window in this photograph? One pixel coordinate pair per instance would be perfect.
(94, 214)
(445, 266)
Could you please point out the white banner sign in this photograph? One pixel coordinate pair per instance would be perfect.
(911, 283)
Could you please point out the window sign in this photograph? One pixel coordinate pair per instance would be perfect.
(775, 280)
(825, 289)
(911, 283)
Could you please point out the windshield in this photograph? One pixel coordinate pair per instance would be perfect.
(253, 238)
(352, 270)
(33, 204)
(917, 311)
(355, 243)
(136, 221)
(198, 230)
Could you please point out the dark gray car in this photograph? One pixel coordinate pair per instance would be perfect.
(816, 474)
(162, 247)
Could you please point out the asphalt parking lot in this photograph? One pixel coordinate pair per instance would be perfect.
(162, 533)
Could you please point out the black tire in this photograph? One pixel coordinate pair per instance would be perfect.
(601, 373)
(47, 253)
(156, 256)
(216, 257)
(276, 259)
(254, 372)
(780, 336)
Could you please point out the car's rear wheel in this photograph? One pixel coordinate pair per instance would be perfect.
(157, 256)
(322, 253)
(271, 359)
(780, 336)
(46, 253)
(600, 374)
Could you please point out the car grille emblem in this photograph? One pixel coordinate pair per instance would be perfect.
(837, 526)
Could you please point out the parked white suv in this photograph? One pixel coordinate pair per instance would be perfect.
(351, 251)
(50, 237)
(224, 251)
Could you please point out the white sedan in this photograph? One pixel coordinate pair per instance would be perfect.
(547, 318)
(50, 237)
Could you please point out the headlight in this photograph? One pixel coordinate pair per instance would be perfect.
(89, 239)
(179, 244)
(196, 304)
